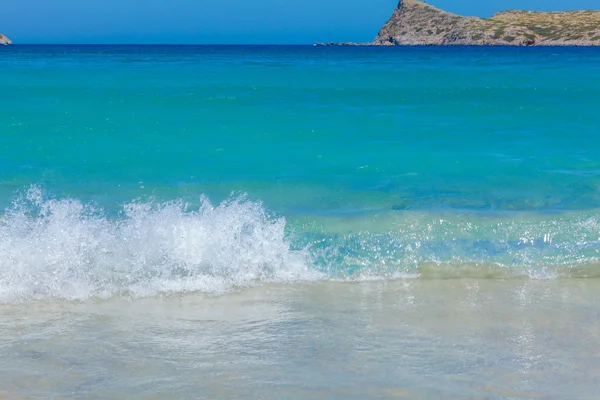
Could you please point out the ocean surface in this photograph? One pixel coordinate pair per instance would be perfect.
(298, 222)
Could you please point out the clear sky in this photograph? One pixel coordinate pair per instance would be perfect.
(224, 21)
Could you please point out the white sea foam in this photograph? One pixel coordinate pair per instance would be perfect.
(64, 249)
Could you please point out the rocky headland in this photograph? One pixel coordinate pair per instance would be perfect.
(4, 40)
(418, 23)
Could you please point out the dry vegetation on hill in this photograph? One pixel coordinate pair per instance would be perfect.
(418, 23)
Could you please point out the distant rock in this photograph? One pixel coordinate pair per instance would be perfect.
(4, 40)
(331, 44)
(418, 23)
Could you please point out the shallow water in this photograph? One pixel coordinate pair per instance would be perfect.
(413, 339)
(299, 222)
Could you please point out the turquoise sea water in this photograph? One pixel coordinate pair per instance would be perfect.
(350, 162)
(131, 173)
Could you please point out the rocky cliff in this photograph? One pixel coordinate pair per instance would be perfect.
(418, 23)
(4, 40)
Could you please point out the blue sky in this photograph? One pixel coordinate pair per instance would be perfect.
(224, 21)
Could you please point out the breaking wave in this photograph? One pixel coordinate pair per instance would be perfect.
(65, 249)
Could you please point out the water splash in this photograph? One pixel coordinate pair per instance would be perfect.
(64, 249)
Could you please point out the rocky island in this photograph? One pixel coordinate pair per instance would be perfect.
(418, 23)
(4, 40)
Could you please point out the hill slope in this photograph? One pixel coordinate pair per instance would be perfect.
(417, 23)
(4, 39)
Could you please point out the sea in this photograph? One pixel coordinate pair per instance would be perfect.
(299, 222)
